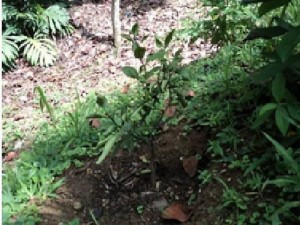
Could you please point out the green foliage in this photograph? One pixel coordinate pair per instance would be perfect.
(224, 22)
(10, 49)
(55, 148)
(28, 28)
(136, 117)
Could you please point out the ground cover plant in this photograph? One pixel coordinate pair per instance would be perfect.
(245, 98)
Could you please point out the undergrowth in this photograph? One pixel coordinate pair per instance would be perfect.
(247, 94)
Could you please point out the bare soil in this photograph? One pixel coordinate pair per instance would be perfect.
(114, 190)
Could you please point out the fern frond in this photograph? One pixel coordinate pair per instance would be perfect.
(8, 12)
(39, 50)
(57, 19)
(10, 49)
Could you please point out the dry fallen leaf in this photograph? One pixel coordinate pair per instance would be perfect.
(125, 89)
(10, 156)
(170, 111)
(190, 165)
(190, 93)
(176, 212)
(95, 123)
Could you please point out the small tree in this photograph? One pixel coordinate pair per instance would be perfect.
(138, 117)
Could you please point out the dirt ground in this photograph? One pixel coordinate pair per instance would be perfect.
(115, 190)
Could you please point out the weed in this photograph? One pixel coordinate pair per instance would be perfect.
(140, 209)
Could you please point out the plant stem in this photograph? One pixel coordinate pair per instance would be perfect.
(152, 163)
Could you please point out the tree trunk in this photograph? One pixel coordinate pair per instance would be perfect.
(116, 24)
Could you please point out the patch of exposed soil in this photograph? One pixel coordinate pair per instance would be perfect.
(86, 60)
(114, 190)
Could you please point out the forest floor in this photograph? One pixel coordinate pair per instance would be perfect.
(117, 191)
(87, 62)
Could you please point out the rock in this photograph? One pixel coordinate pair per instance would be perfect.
(23, 98)
(18, 145)
(29, 75)
(77, 205)
(160, 204)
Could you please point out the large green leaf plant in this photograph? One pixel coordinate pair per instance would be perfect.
(28, 30)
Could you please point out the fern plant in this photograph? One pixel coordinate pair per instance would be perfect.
(28, 28)
(10, 50)
(39, 50)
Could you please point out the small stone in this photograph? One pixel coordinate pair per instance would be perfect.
(29, 75)
(23, 98)
(160, 204)
(18, 145)
(77, 205)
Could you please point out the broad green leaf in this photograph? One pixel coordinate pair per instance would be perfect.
(139, 52)
(278, 87)
(294, 111)
(288, 43)
(169, 38)
(101, 100)
(268, 71)
(130, 72)
(108, 147)
(265, 32)
(156, 56)
(267, 6)
(283, 23)
(290, 162)
(135, 29)
(281, 120)
(266, 108)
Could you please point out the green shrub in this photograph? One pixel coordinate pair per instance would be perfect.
(225, 21)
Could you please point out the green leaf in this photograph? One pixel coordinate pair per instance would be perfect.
(289, 41)
(265, 32)
(294, 111)
(282, 181)
(135, 29)
(267, 6)
(268, 71)
(130, 72)
(281, 120)
(139, 52)
(289, 161)
(284, 209)
(108, 147)
(101, 100)
(266, 108)
(156, 56)
(261, 119)
(127, 37)
(251, 1)
(158, 42)
(169, 38)
(278, 87)
(39, 50)
(44, 102)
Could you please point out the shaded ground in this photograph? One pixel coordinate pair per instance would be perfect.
(86, 61)
(114, 190)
